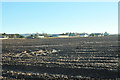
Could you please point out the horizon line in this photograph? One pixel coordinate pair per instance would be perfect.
(55, 33)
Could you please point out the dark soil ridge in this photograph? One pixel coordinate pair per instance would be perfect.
(93, 73)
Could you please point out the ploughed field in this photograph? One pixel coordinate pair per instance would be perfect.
(60, 58)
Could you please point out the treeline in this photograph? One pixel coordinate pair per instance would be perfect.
(4, 35)
(37, 35)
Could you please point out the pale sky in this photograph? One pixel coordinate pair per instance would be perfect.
(59, 17)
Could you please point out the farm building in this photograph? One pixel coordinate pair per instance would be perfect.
(84, 35)
(55, 35)
(58, 35)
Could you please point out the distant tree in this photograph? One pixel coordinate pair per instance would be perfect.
(45, 34)
(36, 35)
(106, 34)
(17, 35)
(14, 36)
(67, 33)
(21, 36)
(31, 35)
(4, 34)
(11, 35)
(92, 34)
(63, 34)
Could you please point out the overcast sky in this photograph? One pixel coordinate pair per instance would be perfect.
(59, 17)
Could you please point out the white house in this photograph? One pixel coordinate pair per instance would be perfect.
(84, 35)
(40, 36)
(3, 37)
